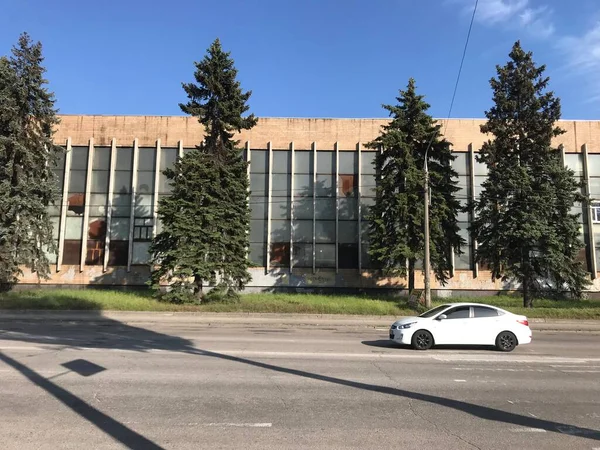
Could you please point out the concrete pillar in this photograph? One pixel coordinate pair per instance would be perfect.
(109, 201)
(292, 189)
(314, 234)
(64, 205)
(588, 209)
(472, 242)
(134, 177)
(269, 205)
(86, 208)
(156, 182)
(337, 207)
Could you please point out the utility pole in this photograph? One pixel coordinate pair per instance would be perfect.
(427, 262)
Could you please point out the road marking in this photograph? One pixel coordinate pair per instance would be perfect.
(461, 381)
(243, 425)
(532, 415)
(528, 430)
(511, 402)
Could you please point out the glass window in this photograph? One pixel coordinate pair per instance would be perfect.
(348, 162)
(349, 208)
(282, 161)
(168, 156)
(366, 205)
(365, 257)
(461, 312)
(258, 207)
(325, 186)
(79, 157)
(280, 254)
(75, 204)
(367, 163)
(326, 162)
(257, 254)
(367, 186)
(594, 186)
(594, 164)
(258, 230)
(280, 208)
(119, 228)
(348, 232)
(325, 231)
(142, 229)
(72, 252)
(482, 311)
(258, 184)
(141, 253)
(101, 158)
(480, 169)
(463, 261)
(282, 185)
(325, 208)
(98, 204)
(461, 163)
(303, 185)
(303, 231)
(303, 208)
(303, 255)
(99, 181)
(348, 256)
(146, 159)
(259, 161)
(595, 212)
(280, 230)
(164, 185)
(325, 255)
(95, 252)
(574, 161)
(73, 228)
(303, 162)
(145, 182)
(77, 181)
(348, 185)
(122, 183)
(144, 205)
(124, 158)
(118, 252)
(121, 205)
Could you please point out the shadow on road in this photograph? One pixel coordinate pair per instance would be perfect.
(111, 334)
(386, 343)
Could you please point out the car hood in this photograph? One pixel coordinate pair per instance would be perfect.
(406, 320)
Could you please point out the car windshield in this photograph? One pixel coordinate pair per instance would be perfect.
(434, 311)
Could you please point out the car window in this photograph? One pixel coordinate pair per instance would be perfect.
(434, 311)
(460, 312)
(482, 311)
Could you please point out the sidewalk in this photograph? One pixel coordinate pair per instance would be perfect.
(257, 319)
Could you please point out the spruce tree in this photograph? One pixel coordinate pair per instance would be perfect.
(27, 155)
(397, 218)
(524, 227)
(206, 219)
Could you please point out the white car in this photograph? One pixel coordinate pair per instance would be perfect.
(463, 324)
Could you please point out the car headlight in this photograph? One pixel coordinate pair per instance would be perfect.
(406, 325)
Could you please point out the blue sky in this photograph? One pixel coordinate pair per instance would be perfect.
(309, 58)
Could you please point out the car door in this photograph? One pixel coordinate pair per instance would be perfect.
(451, 330)
(484, 326)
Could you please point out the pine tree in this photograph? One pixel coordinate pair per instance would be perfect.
(27, 155)
(397, 218)
(206, 219)
(524, 227)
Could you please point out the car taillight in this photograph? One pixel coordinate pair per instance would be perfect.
(524, 322)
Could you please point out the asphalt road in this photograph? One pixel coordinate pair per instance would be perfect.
(108, 385)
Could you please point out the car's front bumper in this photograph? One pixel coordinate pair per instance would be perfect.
(401, 336)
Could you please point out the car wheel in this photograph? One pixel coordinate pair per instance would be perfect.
(506, 341)
(422, 340)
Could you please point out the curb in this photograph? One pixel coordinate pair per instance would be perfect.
(270, 319)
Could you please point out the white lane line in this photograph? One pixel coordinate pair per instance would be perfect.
(532, 415)
(528, 430)
(511, 402)
(581, 371)
(461, 381)
(242, 425)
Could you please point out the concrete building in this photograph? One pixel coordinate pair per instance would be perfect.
(312, 183)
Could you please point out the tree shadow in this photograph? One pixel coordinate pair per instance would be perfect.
(108, 333)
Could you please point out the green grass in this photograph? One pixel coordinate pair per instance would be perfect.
(96, 300)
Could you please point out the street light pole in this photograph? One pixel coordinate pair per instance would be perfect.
(427, 263)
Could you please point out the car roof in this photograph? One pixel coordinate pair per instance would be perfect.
(471, 304)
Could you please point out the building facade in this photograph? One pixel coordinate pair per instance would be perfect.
(312, 183)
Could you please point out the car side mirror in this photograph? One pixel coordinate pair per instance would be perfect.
(442, 317)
